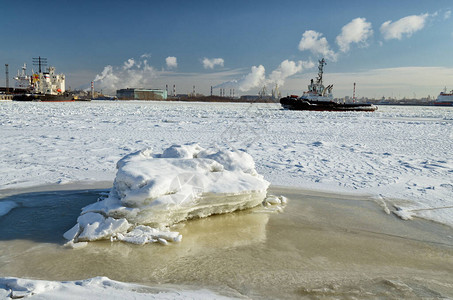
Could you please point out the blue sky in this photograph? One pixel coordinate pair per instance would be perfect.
(243, 44)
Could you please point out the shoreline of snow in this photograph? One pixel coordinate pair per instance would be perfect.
(97, 288)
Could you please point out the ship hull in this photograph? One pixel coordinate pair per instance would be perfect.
(301, 104)
(66, 97)
(446, 103)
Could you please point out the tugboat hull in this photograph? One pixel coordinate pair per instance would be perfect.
(319, 98)
(301, 104)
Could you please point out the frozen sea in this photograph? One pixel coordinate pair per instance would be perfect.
(398, 158)
(401, 155)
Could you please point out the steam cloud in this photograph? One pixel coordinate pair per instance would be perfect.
(131, 74)
(286, 69)
(257, 76)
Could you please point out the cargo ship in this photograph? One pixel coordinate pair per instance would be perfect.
(445, 98)
(42, 86)
(320, 98)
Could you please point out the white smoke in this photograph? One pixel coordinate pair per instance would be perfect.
(286, 69)
(129, 63)
(257, 76)
(132, 74)
(210, 63)
(404, 26)
(356, 31)
(317, 44)
(254, 79)
(171, 62)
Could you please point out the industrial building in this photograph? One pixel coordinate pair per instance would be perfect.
(141, 94)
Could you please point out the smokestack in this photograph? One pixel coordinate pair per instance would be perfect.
(7, 78)
(211, 90)
(174, 90)
(193, 93)
(92, 90)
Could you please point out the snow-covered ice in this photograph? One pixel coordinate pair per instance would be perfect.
(401, 155)
(93, 288)
(153, 191)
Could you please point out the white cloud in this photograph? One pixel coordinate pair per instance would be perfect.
(171, 62)
(356, 31)
(317, 44)
(210, 63)
(286, 69)
(447, 14)
(404, 26)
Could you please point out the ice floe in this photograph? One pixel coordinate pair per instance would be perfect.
(154, 191)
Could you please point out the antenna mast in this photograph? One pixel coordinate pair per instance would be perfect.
(322, 63)
(39, 61)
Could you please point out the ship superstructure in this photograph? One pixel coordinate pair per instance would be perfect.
(23, 81)
(41, 86)
(316, 90)
(445, 98)
(49, 82)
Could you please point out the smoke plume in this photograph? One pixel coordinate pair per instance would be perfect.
(132, 74)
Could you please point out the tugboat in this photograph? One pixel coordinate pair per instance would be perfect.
(43, 86)
(444, 98)
(319, 98)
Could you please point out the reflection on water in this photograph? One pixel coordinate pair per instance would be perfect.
(321, 246)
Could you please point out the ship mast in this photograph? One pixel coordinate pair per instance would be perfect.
(322, 63)
(39, 61)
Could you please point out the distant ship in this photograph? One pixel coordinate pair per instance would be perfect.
(42, 86)
(444, 98)
(319, 98)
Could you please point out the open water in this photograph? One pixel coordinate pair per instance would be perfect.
(322, 246)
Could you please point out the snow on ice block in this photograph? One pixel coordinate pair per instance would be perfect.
(159, 190)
